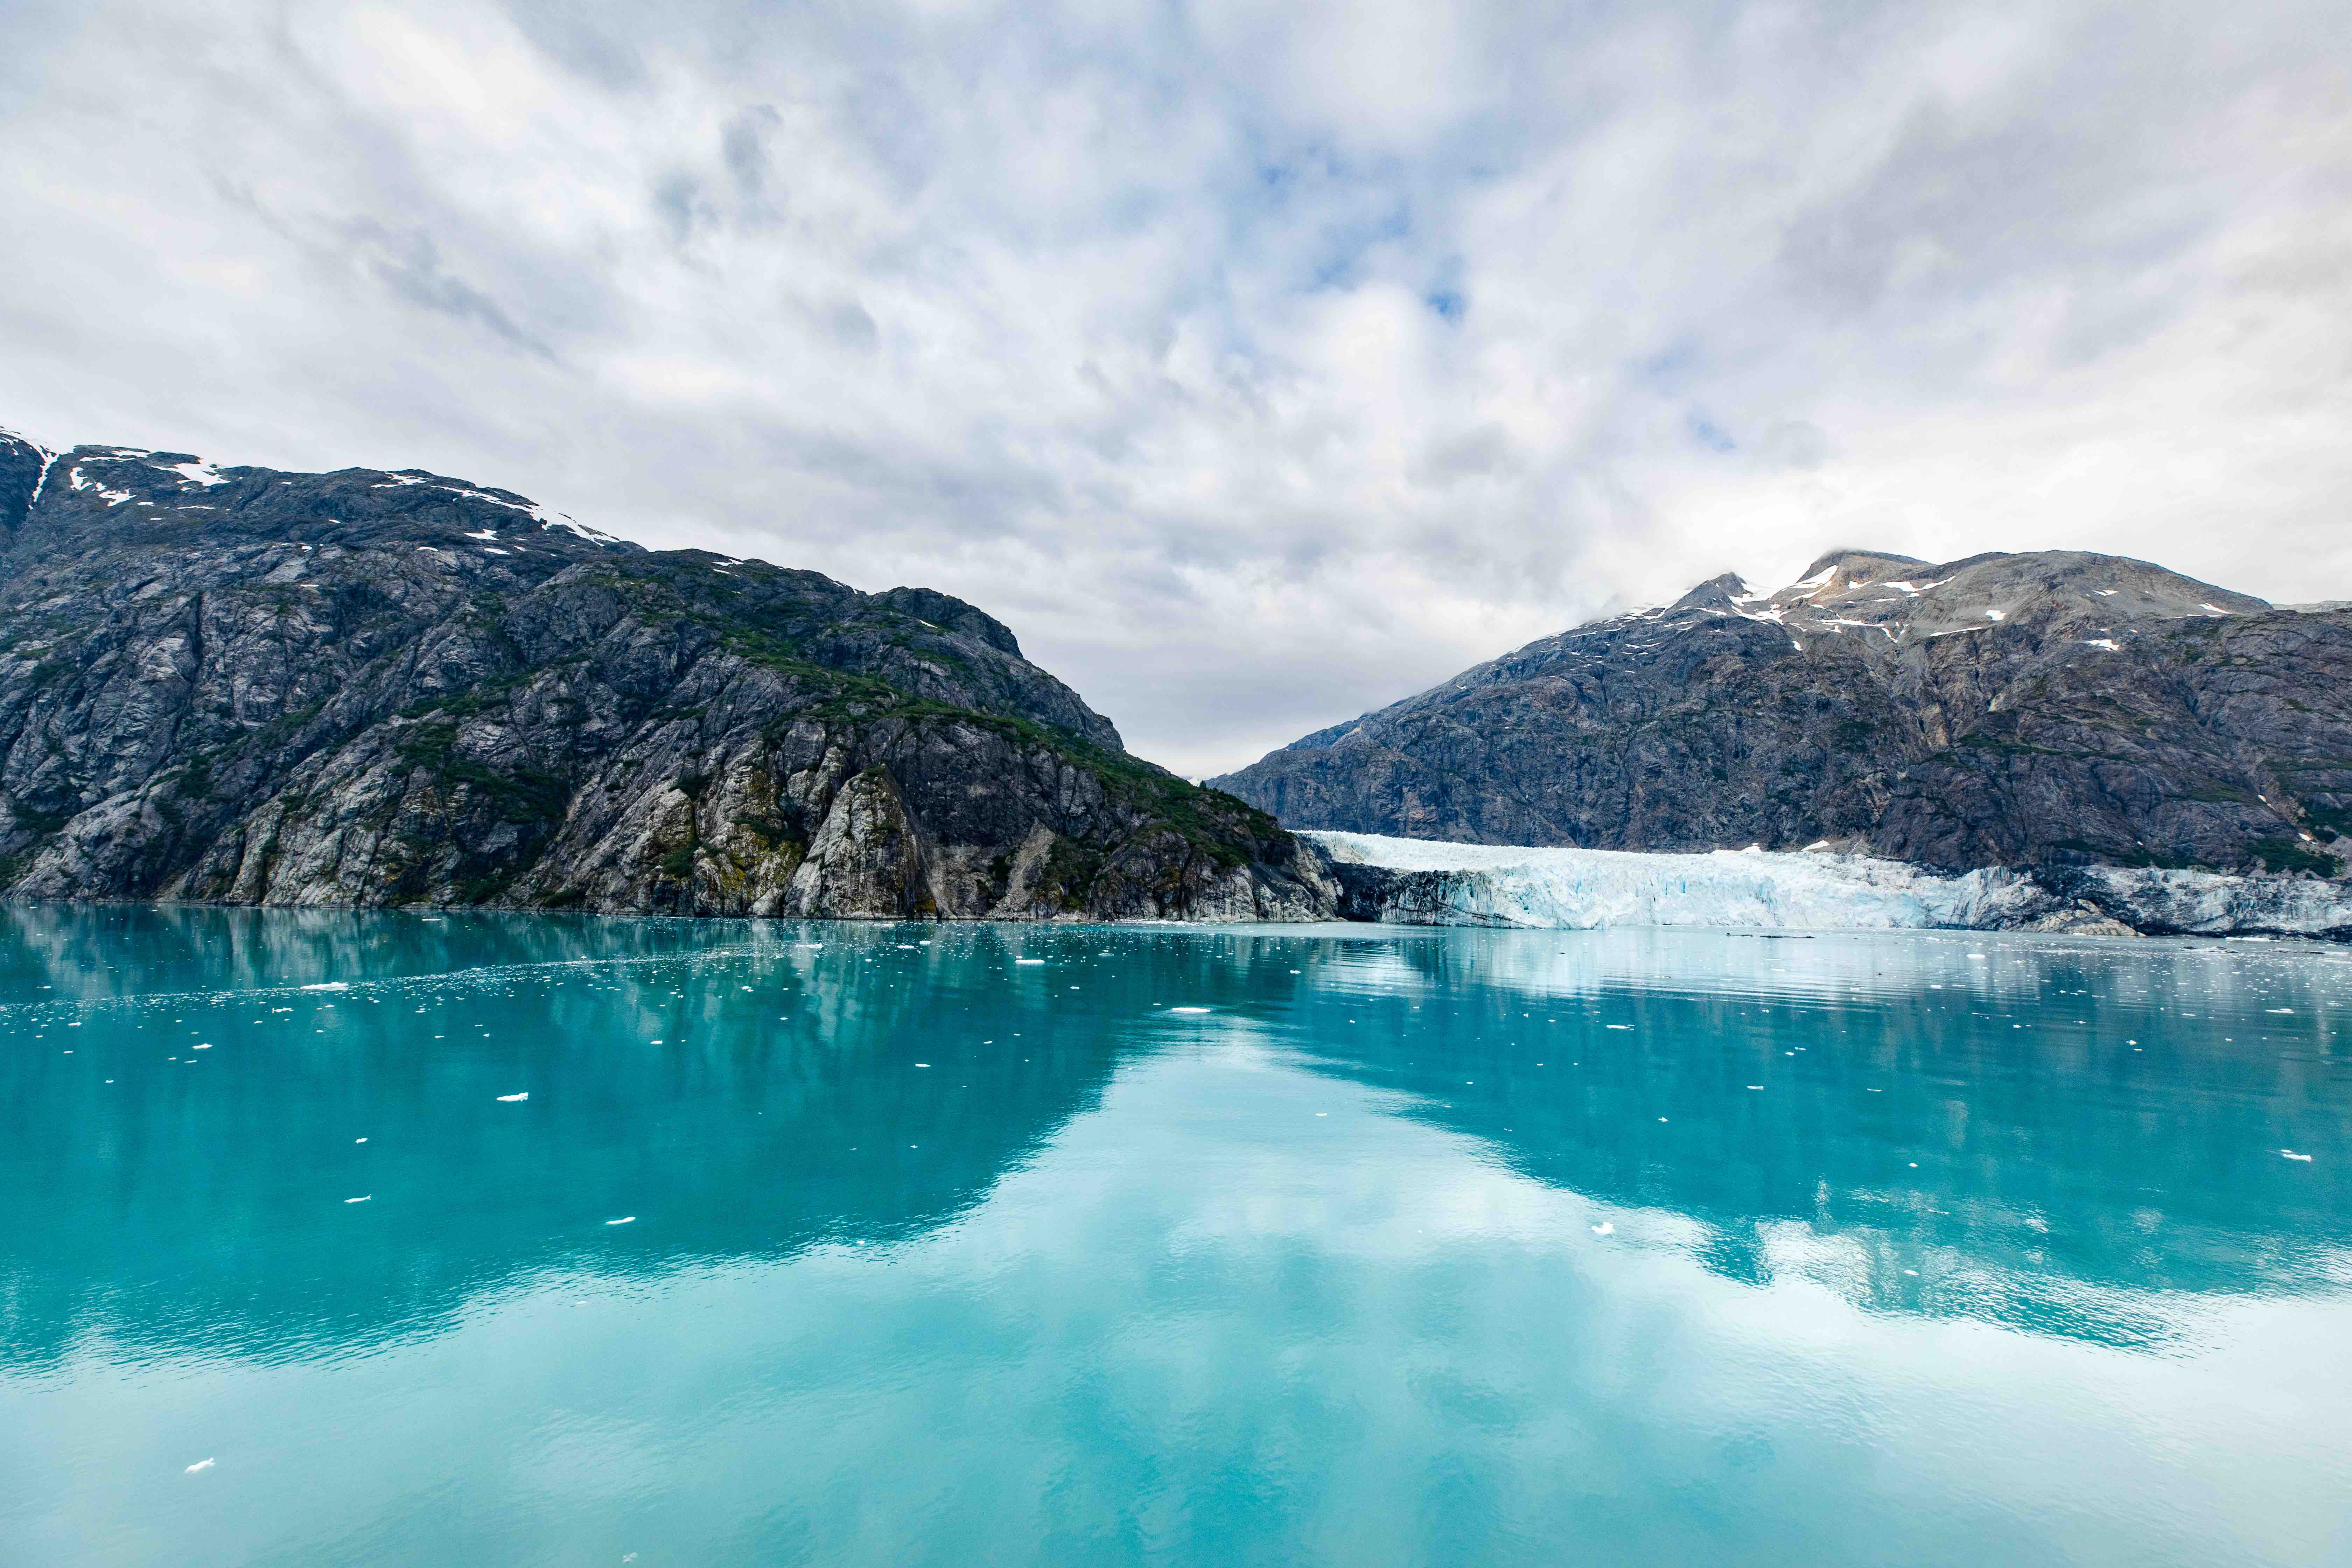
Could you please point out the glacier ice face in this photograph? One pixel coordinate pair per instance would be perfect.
(2210, 903)
(1420, 882)
(1484, 884)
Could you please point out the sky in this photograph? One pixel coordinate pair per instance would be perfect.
(1258, 364)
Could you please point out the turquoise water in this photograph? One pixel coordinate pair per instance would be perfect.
(875, 1244)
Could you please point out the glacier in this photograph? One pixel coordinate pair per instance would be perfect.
(1427, 882)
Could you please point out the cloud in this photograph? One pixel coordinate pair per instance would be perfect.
(1259, 366)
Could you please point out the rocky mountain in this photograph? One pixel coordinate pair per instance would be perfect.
(363, 688)
(2056, 708)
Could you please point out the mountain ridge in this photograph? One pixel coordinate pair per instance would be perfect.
(2060, 706)
(375, 687)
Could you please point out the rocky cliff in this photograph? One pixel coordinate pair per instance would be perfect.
(2052, 710)
(365, 688)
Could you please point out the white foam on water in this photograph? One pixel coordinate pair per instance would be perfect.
(362, 1198)
(201, 1465)
(510, 1099)
(1204, 1009)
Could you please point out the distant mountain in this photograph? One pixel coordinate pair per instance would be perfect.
(368, 688)
(2049, 708)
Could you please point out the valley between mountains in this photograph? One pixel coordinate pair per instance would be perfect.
(368, 689)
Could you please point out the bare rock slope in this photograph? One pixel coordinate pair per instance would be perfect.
(2050, 711)
(365, 688)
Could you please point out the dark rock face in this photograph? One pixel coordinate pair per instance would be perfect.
(2047, 709)
(366, 689)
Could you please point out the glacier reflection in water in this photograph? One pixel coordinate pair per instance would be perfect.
(1394, 1247)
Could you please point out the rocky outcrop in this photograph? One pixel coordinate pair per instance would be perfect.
(2056, 711)
(368, 689)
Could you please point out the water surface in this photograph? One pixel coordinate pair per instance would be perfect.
(885, 1245)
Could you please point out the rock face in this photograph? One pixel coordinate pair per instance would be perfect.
(2047, 710)
(368, 689)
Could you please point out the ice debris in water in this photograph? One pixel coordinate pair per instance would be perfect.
(1204, 1009)
(328, 985)
(625, 1219)
(2293, 1155)
(200, 1465)
(510, 1099)
(1028, 961)
(362, 1198)
(1604, 1228)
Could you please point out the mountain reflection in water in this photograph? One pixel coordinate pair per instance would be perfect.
(2080, 1145)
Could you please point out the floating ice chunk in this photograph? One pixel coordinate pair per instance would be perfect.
(625, 1219)
(511, 1099)
(1604, 1228)
(361, 1199)
(199, 1465)
(2293, 1155)
(1204, 1009)
(328, 985)
(1028, 961)
(1756, 1086)
(922, 1064)
(2288, 1010)
(1616, 1026)
(359, 1140)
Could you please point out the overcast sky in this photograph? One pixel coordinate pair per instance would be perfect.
(1258, 364)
